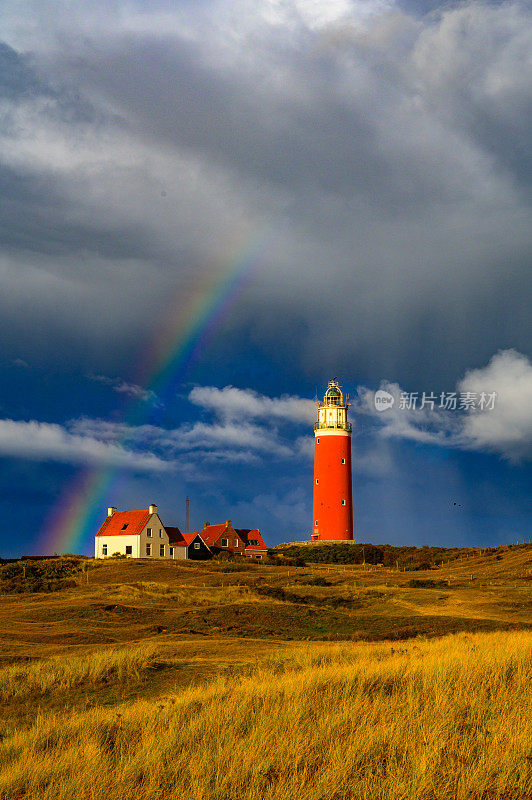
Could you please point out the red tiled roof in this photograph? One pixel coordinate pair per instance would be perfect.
(182, 539)
(246, 534)
(174, 535)
(114, 526)
(190, 536)
(212, 533)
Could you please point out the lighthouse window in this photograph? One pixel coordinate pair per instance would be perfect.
(316, 522)
(343, 460)
(343, 502)
(318, 440)
(317, 480)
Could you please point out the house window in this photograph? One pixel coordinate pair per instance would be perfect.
(225, 543)
(171, 552)
(253, 542)
(197, 545)
(161, 550)
(343, 502)
(148, 549)
(259, 556)
(148, 531)
(236, 542)
(129, 549)
(125, 526)
(160, 533)
(104, 549)
(343, 460)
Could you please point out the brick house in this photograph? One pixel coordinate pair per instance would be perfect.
(224, 538)
(136, 534)
(255, 545)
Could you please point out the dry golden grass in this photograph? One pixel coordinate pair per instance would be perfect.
(440, 719)
(61, 674)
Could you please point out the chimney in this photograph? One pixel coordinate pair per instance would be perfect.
(228, 523)
(206, 524)
(153, 508)
(110, 511)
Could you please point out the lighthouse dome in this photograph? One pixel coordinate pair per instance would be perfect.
(333, 396)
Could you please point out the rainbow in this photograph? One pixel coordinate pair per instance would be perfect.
(191, 322)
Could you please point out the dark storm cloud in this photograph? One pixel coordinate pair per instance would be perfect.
(35, 210)
(384, 149)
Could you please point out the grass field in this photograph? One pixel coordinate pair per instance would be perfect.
(203, 680)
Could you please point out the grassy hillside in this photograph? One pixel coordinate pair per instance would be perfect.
(119, 601)
(137, 679)
(400, 558)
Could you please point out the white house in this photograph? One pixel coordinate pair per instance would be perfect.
(137, 534)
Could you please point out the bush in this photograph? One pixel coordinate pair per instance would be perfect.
(277, 593)
(272, 561)
(39, 576)
(414, 583)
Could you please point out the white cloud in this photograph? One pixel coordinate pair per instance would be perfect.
(505, 428)
(232, 403)
(317, 14)
(217, 439)
(42, 441)
(130, 389)
(229, 435)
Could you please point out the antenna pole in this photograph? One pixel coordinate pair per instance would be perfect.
(187, 515)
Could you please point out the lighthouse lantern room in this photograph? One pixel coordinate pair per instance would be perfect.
(333, 492)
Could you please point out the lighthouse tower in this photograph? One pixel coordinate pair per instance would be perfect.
(333, 493)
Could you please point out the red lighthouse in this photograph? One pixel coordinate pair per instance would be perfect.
(333, 492)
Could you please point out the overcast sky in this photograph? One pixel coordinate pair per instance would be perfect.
(373, 156)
